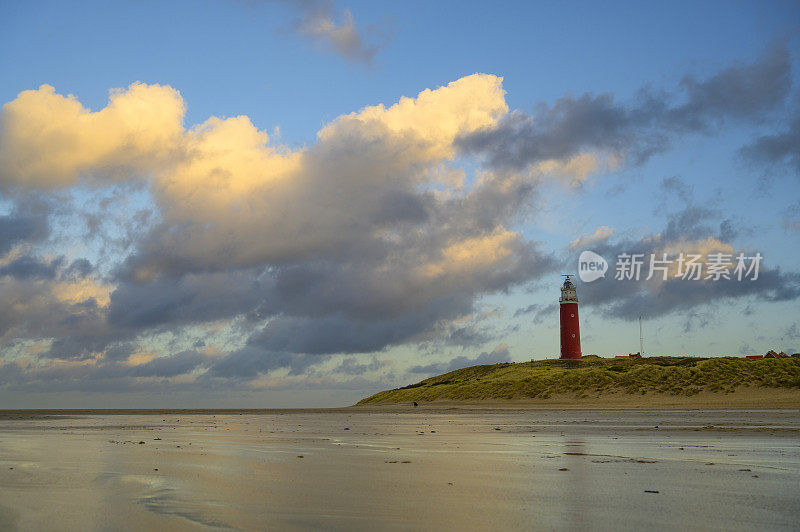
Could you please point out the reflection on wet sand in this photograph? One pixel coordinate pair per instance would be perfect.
(416, 469)
(573, 484)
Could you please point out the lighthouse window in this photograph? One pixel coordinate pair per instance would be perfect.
(573, 315)
(573, 335)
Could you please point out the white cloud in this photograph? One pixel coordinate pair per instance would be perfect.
(600, 234)
(48, 140)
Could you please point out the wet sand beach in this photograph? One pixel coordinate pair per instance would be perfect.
(400, 468)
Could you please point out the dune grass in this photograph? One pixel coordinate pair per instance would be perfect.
(595, 375)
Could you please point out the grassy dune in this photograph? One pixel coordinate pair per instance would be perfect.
(541, 379)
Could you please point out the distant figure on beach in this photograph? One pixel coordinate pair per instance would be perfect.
(415, 404)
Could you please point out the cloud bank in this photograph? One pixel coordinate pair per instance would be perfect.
(366, 239)
(743, 93)
(212, 255)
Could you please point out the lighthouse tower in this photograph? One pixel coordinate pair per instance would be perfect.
(570, 332)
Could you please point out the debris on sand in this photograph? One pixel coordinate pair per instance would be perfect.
(564, 469)
(651, 491)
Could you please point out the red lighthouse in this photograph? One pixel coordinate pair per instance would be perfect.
(570, 332)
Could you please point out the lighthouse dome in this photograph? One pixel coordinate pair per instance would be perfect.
(568, 292)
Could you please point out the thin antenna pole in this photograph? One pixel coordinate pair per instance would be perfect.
(641, 338)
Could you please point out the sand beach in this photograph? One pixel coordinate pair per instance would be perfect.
(401, 468)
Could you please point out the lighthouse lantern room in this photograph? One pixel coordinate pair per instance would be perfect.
(570, 331)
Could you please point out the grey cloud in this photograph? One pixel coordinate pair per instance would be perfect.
(320, 307)
(744, 92)
(300, 340)
(192, 298)
(345, 308)
(120, 351)
(468, 336)
(351, 366)
(540, 312)
(676, 295)
(83, 335)
(27, 267)
(397, 207)
(18, 227)
(10, 373)
(250, 361)
(628, 299)
(558, 132)
(333, 334)
(677, 186)
(745, 348)
(498, 355)
(527, 310)
(337, 305)
(103, 376)
(31, 310)
(776, 149)
(320, 22)
(341, 334)
(694, 320)
(693, 222)
(171, 366)
(78, 268)
(791, 218)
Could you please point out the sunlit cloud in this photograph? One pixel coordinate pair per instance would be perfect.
(242, 260)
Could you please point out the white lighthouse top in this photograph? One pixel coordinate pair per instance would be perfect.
(568, 293)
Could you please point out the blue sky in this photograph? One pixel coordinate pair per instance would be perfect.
(335, 256)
